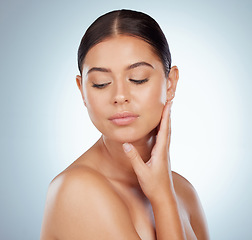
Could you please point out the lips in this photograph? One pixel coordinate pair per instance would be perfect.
(124, 118)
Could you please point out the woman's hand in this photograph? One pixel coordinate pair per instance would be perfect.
(155, 176)
(155, 179)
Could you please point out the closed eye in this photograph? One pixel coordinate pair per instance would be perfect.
(103, 85)
(139, 81)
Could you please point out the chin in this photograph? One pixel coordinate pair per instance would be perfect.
(131, 135)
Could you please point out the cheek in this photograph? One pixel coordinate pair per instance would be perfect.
(93, 102)
(95, 112)
(155, 94)
(163, 95)
(162, 91)
(91, 97)
(153, 101)
(94, 107)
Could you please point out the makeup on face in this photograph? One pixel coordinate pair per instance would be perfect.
(123, 118)
(124, 85)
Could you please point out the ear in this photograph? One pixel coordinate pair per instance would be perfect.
(79, 84)
(172, 83)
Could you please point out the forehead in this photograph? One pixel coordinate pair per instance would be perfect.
(119, 51)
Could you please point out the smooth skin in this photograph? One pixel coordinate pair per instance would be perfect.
(123, 186)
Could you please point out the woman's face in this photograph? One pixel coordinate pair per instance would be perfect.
(124, 88)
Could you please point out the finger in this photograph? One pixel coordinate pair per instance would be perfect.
(135, 159)
(163, 137)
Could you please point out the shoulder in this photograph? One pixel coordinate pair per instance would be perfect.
(78, 178)
(190, 201)
(186, 193)
(184, 189)
(80, 201)
(82, 185)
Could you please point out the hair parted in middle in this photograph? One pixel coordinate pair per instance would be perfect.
(126, 22)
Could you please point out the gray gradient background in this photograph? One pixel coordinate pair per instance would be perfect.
(44, 125)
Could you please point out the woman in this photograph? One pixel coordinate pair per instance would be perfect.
(123, 186)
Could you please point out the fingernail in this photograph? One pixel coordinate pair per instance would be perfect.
(127, 147)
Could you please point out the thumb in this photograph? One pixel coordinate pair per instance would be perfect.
(135, 159)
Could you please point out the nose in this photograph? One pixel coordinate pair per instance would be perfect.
(121, 93)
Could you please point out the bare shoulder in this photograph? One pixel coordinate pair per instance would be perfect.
(186, 193)
(190, 201)
(81, 203)
(184, 188)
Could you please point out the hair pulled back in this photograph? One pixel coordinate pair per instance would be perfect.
(126, 22)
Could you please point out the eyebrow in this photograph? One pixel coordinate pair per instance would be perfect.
(106, 70)
(138, 64)
(98, 69)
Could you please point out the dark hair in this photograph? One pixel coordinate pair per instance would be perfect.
(126, 22)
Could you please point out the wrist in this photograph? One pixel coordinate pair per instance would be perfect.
(167, 216)
(163, 196)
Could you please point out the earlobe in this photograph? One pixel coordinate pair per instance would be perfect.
(172, 83)
(79, 84)
(79, 81)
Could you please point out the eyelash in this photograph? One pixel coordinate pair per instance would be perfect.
(103, 85)
(139, 81)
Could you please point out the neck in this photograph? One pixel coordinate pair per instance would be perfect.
(117, 166)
